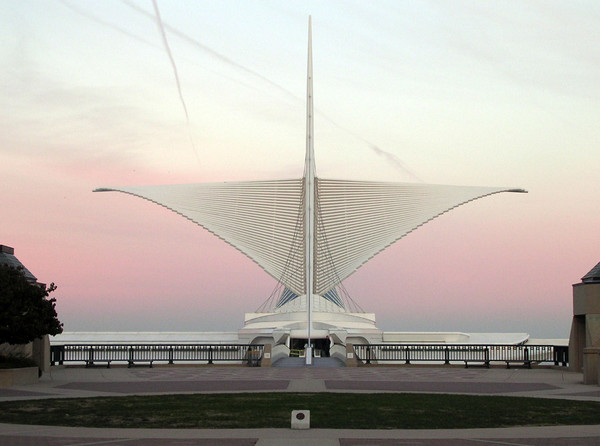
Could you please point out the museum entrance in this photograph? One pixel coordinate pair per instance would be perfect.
(298, 347)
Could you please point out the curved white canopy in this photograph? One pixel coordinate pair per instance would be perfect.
(355, 220)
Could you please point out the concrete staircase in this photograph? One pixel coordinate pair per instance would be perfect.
(317, 362)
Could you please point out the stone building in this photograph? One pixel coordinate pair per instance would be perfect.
(584, 341)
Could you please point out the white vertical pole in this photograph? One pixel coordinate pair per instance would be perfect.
(309, 196)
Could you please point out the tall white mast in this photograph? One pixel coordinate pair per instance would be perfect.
(309, 196)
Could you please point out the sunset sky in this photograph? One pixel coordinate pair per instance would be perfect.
(485, 93)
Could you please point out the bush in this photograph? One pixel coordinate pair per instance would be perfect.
(27, 313)
(15, 362)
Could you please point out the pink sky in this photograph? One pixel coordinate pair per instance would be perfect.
(494, 95)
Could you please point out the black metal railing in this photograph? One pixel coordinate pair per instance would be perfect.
(467, 353)
(92, 354)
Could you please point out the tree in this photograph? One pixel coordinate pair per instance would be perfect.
(26, 313)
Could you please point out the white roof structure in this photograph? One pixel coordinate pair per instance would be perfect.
(355, 220)
(310, 233)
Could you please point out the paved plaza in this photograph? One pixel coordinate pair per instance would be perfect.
(117, 381)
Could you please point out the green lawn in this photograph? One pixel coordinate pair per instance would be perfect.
(328, 410)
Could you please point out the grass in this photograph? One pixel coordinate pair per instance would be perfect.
(328, 410)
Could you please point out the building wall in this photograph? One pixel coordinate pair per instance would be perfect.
(585, 327)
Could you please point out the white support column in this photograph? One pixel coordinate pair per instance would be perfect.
(309, 197)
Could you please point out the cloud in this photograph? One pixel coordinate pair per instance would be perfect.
(541, 47)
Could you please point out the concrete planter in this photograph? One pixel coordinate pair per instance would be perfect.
(19, 377)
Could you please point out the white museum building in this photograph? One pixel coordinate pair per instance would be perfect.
(310, 234)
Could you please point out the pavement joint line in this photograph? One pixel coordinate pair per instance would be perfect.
(116, 440)
(505, 443)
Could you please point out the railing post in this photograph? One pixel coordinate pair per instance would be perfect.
(130, 362)
(170, 354)
(526, 358)
(407, 354)
(560, 354)
(487, 357)
(446, 356)
(54, 354)
(90, 360)
(368, 354)
(210, 354)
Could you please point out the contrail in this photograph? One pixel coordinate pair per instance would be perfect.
(146, 42)
(98, 20)
(389, 157)
(210, 51)
(168, 50)
(105, 23)
(394, 160)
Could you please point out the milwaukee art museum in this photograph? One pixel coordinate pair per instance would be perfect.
(310, 234)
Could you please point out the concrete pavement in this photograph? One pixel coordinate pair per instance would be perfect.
(80, 382)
